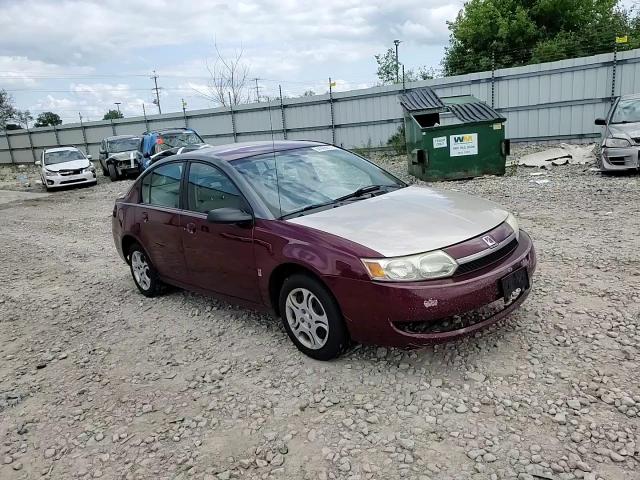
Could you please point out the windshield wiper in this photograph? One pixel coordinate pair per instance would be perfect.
(308, 207)
(361, 191)
(358, 193)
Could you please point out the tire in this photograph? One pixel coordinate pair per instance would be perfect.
(143, 272)
(113, 173)
(305, 298)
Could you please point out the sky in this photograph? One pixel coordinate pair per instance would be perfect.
(80, 57)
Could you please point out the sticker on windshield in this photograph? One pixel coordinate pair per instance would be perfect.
(324, 148)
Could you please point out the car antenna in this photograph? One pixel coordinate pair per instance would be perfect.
(273, 152)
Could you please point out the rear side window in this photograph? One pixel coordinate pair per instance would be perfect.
(161, 187)
(210, 189)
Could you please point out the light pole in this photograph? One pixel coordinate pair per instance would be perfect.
(117, 104)
(396, 43)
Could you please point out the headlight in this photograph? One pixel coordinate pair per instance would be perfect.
(423, 266)
(90, 168)
(49, 173)
(614, 142)
(513, 223)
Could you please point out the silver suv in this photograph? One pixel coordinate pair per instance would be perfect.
(119, 156)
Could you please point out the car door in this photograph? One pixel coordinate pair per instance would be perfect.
(159, 220)
(219, 257)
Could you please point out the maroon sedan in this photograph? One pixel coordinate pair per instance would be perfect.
(339, 248)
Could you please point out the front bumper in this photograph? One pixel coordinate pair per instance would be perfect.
(66, 180)
(381, 313)
(620, 158)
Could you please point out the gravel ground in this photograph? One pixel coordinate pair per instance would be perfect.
(97, 381)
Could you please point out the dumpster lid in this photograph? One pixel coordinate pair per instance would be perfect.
(465, 107)
(475, 112)
(421, 99)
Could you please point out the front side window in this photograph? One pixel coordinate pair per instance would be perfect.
(62, 156)
(209, 189)
(161, 187)
(292, 180)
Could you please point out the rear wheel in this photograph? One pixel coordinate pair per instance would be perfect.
(312, 318)
(113, 173)
(144, 274)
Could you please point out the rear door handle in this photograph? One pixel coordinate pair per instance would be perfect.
(145, 217)
(191, 228)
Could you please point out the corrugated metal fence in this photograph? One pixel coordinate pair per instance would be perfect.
(544, 102)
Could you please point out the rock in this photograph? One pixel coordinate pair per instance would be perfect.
(7, 459)
(461, 408)
(560, 418)
(17, 466)
(345, 465)
(226, 475)
(277, 460)
(475, 453)
(381, 352)
(436, 382)
(99, 436)
(261, 463)
(475, 376)
(49, 452)
(489, 457)
(575, 404)
(616, 457)
(372, 419)
(580, 465)
(147, 407)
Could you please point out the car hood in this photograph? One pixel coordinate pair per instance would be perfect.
(72, 165)
(124, 155)
(625, 129)
(409, 220)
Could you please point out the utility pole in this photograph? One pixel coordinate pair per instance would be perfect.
(157, 90)
(396, 43)
(117, 104)
(257, 89)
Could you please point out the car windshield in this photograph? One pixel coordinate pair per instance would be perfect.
(123, 144)
(627, 111)
(61, 156)
(179, 139)
(294, 180)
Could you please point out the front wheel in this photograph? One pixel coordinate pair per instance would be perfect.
(144, 274)
(113, 173)
(312, 318)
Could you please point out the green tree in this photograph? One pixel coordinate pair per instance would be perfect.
(113, 115)
(48, 119)
(387, 70)
(517, 32)
(9, 113)
(308, 93)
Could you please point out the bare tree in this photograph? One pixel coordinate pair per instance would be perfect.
(229, 80)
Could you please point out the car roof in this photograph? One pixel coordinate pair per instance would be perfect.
(235, 151)
(59, 149)
(161, 131)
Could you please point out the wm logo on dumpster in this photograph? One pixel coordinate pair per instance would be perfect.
(462, 138)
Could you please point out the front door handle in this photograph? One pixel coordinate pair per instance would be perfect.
(145, 217)
(191, 228)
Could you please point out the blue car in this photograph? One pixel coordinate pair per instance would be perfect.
(158, 144)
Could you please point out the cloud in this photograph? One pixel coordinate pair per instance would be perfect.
(70, 32)
(16, 71)
(93, 100)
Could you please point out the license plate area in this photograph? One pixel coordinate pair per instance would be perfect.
(514, 284)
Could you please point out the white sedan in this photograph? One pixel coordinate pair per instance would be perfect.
(60, 167)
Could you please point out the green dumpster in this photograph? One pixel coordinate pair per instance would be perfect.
(452, 138)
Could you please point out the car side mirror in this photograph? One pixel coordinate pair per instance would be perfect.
(601, 121)
(146, 155)
(37, 162)
(228, 216)
(89, 157)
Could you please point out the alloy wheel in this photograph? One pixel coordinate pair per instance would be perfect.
(140, 268)
(307, 318)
